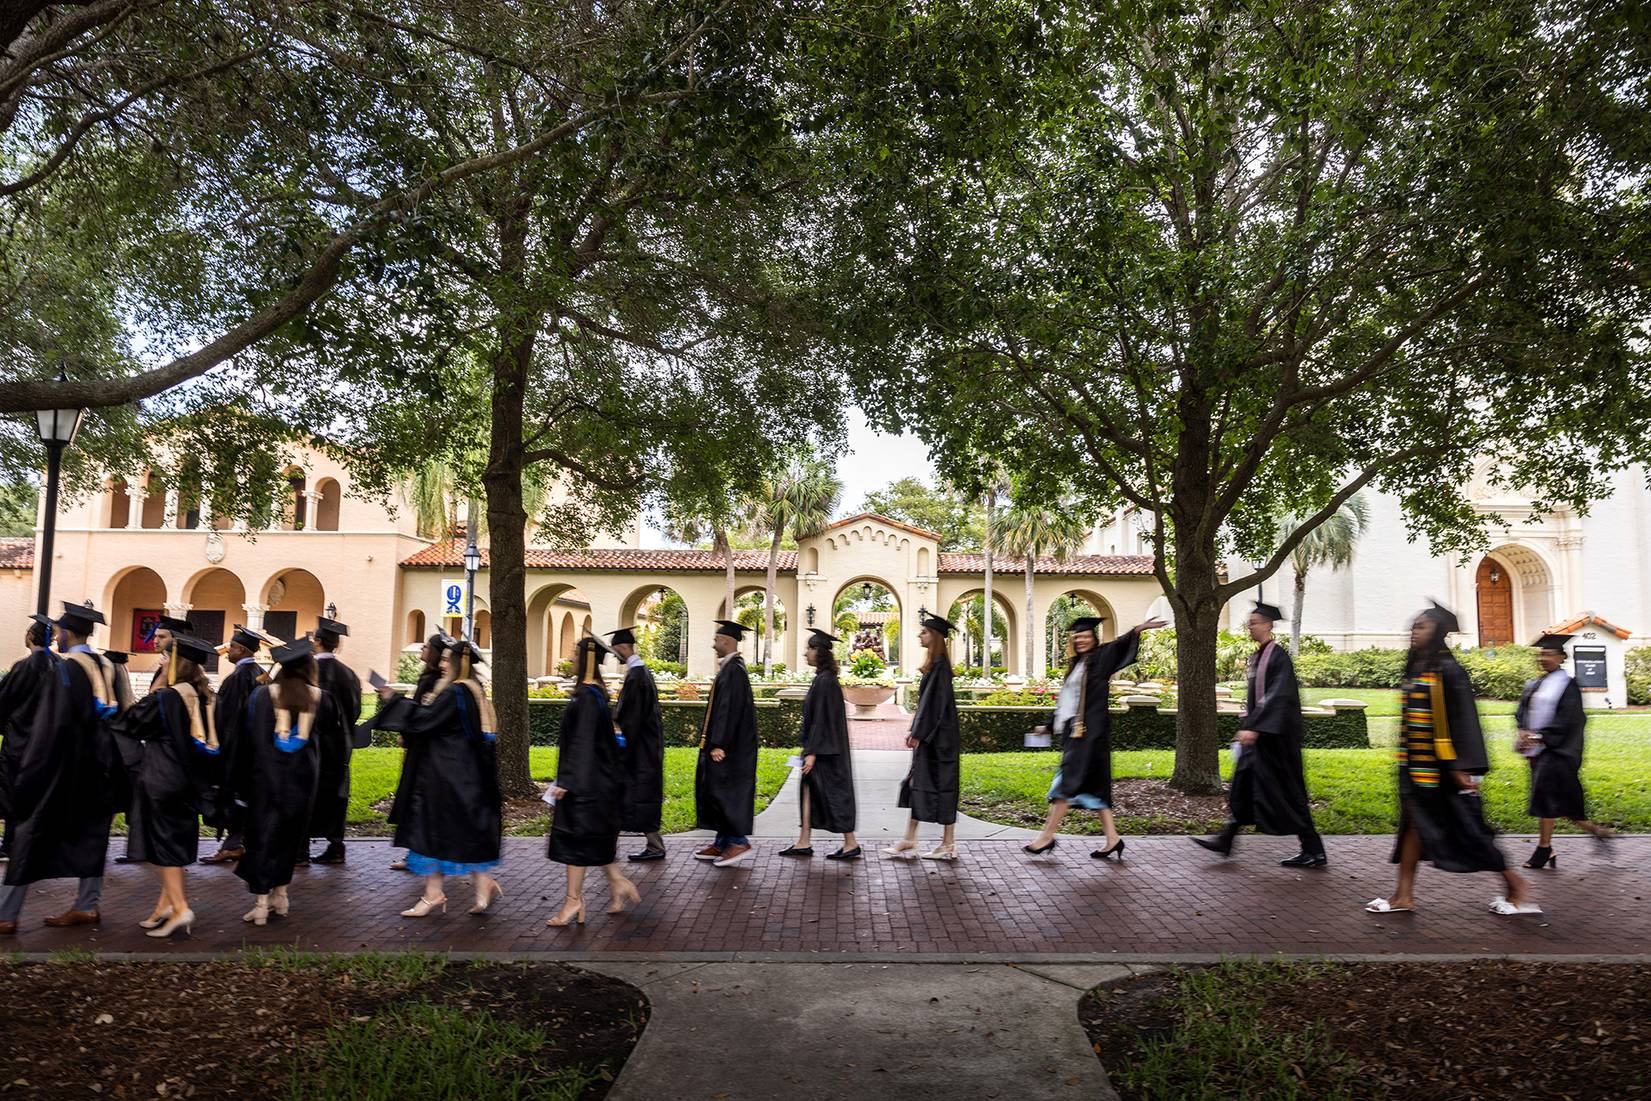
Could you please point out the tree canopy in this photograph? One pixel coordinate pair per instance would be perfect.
(961, 524)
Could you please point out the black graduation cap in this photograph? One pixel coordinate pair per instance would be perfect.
(1552, 642)
(460, 648)
(197, 650)
(293, 652)
(440, 641)
(80, 618)
(735, 631)
(625, 636)
(815, 635)
(1085, 623)
(1444, 617)
(176, 626)
(247, 638)
(942, 626)
(117, 656)
(1269, 610)
(330, 630)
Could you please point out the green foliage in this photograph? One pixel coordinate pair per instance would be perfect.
(960, 524)
(672, 668)
(779, 722)
(408, 668)
(663, 644)
(1498, 674)
(1637, 666)
(1157, 656)
(866, 665)
(1002, 729)
(18, 501)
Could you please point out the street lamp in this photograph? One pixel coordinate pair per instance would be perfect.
(472, 563)
(57, 431)
(811, 615)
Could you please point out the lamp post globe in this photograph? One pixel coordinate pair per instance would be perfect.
(472, 563)
(57, 428)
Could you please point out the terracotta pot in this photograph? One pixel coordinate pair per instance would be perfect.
(866, 698)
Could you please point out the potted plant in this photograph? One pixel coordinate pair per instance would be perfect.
(867, 684)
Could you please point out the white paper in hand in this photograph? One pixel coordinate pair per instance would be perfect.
(550, 795)
(793, 762)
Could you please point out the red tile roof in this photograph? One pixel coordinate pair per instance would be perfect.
(451, 556)
(17, 553)
(1587, 619)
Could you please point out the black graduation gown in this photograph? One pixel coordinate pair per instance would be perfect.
(725, 793)
(1455, 836)
(19, 692)
(1556, 782)
(830, 785)
(640, 720)
(332, 793)
(227, 806)
(281, 792)
(68, 782)
(1269, 787)
(427, 680)
(930, 788)
(1086, 762)
(584, 827)
(452, 807)
(163, 821)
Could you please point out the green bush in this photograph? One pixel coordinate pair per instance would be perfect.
(1375, 667)
(1637, 664)
(1003, 729)
(974, 672)
(779, 722)
(408, 667)
(1157, 658)
(1499, 674)
(675, 668)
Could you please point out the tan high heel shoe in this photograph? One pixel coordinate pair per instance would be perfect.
(486, 897)
(184, 921)
(624, 892)
(423, 906)
(259, 914)
(573, 913)
(905, 850)
(279, 902)
(941, 852)
(154, 920)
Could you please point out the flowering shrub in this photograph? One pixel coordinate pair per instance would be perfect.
(687, 690)
(546, 692)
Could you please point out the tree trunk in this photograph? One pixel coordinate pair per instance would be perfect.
(1197, 620)
(1295, 613)
(768, 606)
(1031, 635)
(986, 624)
(719, 539)
(507, 574)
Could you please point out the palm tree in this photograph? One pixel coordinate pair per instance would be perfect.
(1031, 530)
(438, 487)
(797, 500)
(1330, 544)
(712, 524)
(996, 486)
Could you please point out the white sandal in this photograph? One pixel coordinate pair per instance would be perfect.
(1500, 905)
(941, 852)
(1382, 906)
(902, 850)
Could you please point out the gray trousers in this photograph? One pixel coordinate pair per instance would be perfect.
(11, 898)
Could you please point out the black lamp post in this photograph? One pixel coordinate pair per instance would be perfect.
(472, 563)
(57, 431)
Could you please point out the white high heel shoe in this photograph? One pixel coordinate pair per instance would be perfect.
(156, 921)
(279, 902)
(184, 921)
(259, 914)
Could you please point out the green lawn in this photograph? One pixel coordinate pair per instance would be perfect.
(373, 774)
(1353, 790)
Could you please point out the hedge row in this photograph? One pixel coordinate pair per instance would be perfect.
(1003, 729)
(1499, 674)
(1637, 666)
(779, 722)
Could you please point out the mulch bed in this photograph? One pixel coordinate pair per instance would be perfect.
(1433, 1031)
(1143, 806)
(519, 815)
(80, 1029)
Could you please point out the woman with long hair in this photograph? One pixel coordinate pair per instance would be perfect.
(285, 721)
(827, 792)
(589, 791)
(452, 817)
(179, 764)
(429, 675)
(1441, 758)
(1083, 721)
(930, 788)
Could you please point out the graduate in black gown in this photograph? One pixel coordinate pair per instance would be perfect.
(332, 794)
(229, 808)
(930, 788)
(589, 790)
(642, 745)
(725, 779)
(1441, 759)
(826, 796)
(181, 759)
(1551, 722)
(1269, 786)
(19, 692)
(430, 673)
(451, 814)
(285, 723)
(69, 779)
(1083, 721)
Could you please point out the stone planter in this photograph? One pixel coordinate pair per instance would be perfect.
(866, 698)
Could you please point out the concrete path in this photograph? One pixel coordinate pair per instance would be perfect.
(919, 1032)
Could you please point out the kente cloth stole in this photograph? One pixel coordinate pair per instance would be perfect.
(204, 732)
(1425, 740)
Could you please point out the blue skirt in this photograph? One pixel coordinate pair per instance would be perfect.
(1083, 799)
(419, 864)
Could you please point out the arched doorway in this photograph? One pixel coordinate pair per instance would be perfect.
(748, 601)
(549, 625)
(661, 618)
(968, 613)
(1514, 594)
(135, 600)
(1066, 607)
(1493, 592)
(866, 614)
(294, 601)
(217, 601)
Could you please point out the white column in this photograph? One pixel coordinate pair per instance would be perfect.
(170, 520)
(135, 496)
(312, 509)
(177, 610)
(255, 615)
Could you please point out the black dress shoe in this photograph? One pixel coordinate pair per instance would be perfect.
(1038, 850)
(845, 854)
(1214, 844)
(806, 850)
(1305, 860)
(645, 855)
(332, 854)
(1116, 850)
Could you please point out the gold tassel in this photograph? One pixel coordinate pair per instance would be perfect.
(590, 665)
(464, 666)
(171, 666)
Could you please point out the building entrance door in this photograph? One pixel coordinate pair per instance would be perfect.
(1495, 592)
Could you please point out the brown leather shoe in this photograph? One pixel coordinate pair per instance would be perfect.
(709, 852)
(74, 917)
(8, 928)
(224, 856)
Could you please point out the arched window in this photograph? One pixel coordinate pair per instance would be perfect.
(120, 505)
(189, 509)
(483, 628)
(813, 560)
(326, 509)
(415, 627)
(154, 505)
(922, 561)
(294, 513)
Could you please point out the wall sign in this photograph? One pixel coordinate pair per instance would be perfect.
(1589, 662)
(144, 622)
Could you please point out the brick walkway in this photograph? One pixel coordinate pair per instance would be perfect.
(1169, 899)
(879, 733)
